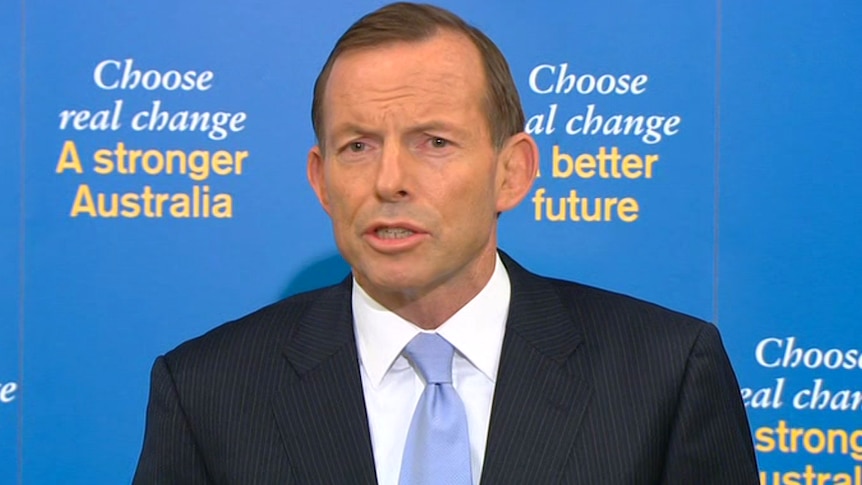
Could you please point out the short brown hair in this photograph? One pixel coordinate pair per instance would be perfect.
(411, 22)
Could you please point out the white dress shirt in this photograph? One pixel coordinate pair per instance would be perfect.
(392, 387)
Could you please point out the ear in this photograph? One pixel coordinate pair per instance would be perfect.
(316, 176)
(518, 165)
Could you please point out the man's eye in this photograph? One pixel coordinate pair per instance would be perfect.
(438, 142)
(356, 146)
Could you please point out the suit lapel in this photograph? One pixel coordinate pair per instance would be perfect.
(541, 394)
(319, 407)
(542, 388)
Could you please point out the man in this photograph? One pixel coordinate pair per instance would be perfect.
(420, 148)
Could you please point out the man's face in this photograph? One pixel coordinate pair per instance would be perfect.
(407, 170)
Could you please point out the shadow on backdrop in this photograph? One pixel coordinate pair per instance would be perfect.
(324, 272)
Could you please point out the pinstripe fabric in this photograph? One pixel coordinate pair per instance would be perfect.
(600, 388)
(274, 398)
(593, 388)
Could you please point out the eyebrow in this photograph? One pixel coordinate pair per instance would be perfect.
(350, 128)
(438, 126)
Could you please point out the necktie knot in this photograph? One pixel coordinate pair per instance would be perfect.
(432, 355)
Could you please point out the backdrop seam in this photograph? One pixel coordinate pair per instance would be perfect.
(21, 248)
(716, 168)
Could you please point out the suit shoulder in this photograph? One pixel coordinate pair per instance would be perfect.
(607, 311)
(595, 307)
(253, 334)
(626, 335)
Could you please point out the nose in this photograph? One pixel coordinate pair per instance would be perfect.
(391, 183)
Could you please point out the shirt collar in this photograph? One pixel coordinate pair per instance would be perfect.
(476, 330)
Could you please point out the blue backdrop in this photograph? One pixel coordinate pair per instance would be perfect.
(788, 261)
(10, 243)
(748, 216)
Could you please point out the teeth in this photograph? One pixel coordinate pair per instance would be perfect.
(393, 233)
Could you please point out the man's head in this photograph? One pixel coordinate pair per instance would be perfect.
(409, 167)
(410, 22)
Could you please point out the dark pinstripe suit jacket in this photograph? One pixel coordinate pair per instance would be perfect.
(593, 388)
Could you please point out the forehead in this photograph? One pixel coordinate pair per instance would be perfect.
(443, 72)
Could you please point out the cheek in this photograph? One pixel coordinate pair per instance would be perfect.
(473, 191)
(467, 178)
(346, 197)
(467, 208)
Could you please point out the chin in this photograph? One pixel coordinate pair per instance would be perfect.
(395, 278)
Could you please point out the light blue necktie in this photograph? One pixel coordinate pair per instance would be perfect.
(437, 451)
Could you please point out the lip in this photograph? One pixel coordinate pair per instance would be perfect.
(390, 246)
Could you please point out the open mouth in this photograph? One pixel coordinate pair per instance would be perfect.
(393, 233)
